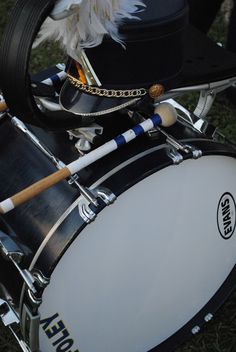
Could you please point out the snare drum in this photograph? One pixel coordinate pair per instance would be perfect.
(153, 266)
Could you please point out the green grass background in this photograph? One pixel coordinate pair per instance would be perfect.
(220, 334)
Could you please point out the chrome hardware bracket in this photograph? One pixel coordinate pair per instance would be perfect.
(27, 277)
(34, 300)
(208, 95)
(7, 314)
(178, 146)
(30, 328)
(173, 142)
(105, 194)
(175, 156)
(86, 213)
(31, 136)
(42, 281)
(196, 153)
(86, 137)
(84, 206)
(205, 102)
(9, 319)
(217, 87)
(204, 127)
(199, 124)
(11, 251)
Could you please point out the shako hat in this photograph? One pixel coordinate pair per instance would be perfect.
(131, 50)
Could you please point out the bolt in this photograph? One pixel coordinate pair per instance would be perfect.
(196, 330)
(208, 317)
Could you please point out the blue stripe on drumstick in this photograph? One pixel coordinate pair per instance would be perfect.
(137, 130)
(120, 140)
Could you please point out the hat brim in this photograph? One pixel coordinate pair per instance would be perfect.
(79, 103)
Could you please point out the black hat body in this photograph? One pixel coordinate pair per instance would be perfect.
(152, 54)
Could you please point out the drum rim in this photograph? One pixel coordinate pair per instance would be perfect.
(201, 318)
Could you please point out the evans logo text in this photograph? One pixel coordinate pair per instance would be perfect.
(226, 216)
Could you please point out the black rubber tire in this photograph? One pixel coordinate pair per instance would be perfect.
(24, 24)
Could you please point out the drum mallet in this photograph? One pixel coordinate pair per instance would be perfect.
(164, 115)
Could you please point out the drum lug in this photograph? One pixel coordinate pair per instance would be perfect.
(196, 153)
(28, 278)
(86, 213)
(87, 209)
(33, 299)
(42, 281)
(105, 194)
(175, 156)
(178, 146)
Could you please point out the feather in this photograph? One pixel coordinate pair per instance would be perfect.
(83, 23)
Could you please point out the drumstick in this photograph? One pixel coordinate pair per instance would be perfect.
(59, 76)
(165, 115)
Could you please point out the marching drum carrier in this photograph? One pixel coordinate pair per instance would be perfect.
(125, 241)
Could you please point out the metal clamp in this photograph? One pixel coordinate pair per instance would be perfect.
(86, 137)
(176, 146)
(42, 280)
(10, 319)
(173, 142)
(30, 328)
(11, 251)
(196, 153)
(175, 156)
(85, 210)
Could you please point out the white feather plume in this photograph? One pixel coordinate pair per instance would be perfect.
(86, 22)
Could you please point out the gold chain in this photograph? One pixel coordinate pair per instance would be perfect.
(111, 93)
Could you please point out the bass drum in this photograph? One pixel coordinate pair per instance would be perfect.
(153, 266)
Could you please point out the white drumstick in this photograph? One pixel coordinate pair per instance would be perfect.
(165, 115)
(57, 77)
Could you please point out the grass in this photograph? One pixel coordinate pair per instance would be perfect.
(220, 334)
